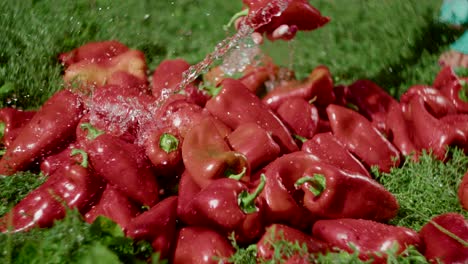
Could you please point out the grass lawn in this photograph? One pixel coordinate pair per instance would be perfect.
(393, 42)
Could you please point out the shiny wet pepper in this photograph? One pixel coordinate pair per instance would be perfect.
(236, 105)
(49, 130)
(372, 239)
(207, 156)
(122, 164)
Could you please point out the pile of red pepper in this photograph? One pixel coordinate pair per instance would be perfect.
(187, 168)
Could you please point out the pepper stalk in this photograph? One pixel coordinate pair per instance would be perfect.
(246, 200)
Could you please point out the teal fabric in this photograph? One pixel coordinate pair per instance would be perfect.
(461, 45)
(454, 12)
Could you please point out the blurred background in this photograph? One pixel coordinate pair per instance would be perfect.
(395, 43)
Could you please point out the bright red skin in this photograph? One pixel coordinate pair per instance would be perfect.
(277, 232)
(207, 156)
(450, 85)
(85, 75)
(282, 203)
(299, 14)
(14, 121)
(165, 163)
(300, 116)
(129, 169)
(318, 85)
(114, 205)
(188, 189)
(438, 245)
(122, 110)
(93, 51)
(362, 139)
(166, 80)
(372, 101)
(327, 148)
(200, 245)
(255, 144)
(49, 130)
(236, 105)
(157, 225)
(178, 113)
(73, 185)
(367, 236)
(346, 194)
(217, 207)
(463, 192)
(430, 123)
(54, 162)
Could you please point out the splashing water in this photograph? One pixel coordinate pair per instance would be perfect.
(235, 50)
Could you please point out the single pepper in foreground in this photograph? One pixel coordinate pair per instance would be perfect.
(49, 130)
(236, 105)
(371, 239)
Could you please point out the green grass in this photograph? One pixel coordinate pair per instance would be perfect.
(393, 42)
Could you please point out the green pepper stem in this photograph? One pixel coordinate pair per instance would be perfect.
(241, 13)
(450, 234)
(2, 130)
(318, 183)
(168, 142)
(84, 156)
(300, 138)
(93, 132)
(246, 200)
(211, 90)
(463, 93)
(238, 176)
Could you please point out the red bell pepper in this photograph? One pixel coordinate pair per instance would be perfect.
(64, 158)
(207, 156)
(87, 74)
(327, 148)
(114, 205)
(329, 192)
(11, 122)
(157, 225)
(283, 204)
(371, 239)
(201, 245)
(47, 131)
(164, 149)
(422, 109)
(167, 78)
(445, 239)
(72, 186)
(255, 144)
(254, 77)
(398, 131)
(382, 109)
(300, 116)
(278, 232)
(179, 114)
(93, 51)
(372, 101)
(463, 192)
(318, 86)
(228, 205)
(453, 88)
(122, 164)
(236, 105)
(128, 81)
(298, 15)
(362, 139)
(188, 189)
(122, 111)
